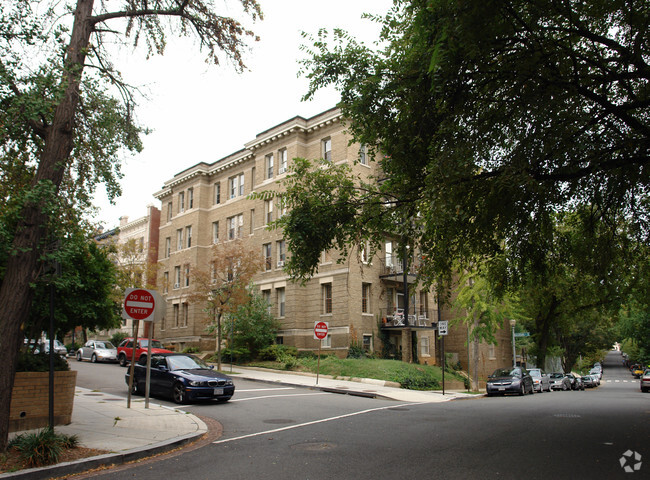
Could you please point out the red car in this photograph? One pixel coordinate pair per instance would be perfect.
(125, 350)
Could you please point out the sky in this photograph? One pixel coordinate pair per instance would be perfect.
(201, 113)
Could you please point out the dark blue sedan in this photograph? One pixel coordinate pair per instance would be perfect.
(184, 378)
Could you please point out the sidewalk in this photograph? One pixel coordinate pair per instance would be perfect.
(103, 421)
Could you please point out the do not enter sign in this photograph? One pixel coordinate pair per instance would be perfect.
(320, 330)
(139, 304)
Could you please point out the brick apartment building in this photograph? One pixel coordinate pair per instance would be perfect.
(363, 301)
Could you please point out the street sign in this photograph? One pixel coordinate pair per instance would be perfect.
(320, 330)
(522, 334)
(442, 327)
(139, 304)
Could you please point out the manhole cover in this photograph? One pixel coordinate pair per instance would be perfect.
(278, 421)
(313, 446)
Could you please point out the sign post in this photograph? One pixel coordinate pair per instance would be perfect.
(442, 331)
(320, 332)
(140, 304)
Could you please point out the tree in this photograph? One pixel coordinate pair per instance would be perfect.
(65, 121)
(491, 118)
(252, 325)
(222, 287)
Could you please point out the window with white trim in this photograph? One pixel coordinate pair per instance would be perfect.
(179, 239)
(281, 301)
(187, 274)
(268, 211)
(168, 247)
(326, 148)
(424, 346)
(326, 297)
(217, 193)
(283, 161)
(188, 235)
(363, 155)
(177, 277)
(365, 297)
(215, 232)
(190, 198)
(235, 225)
(266, 252)
(268, 163)
(181, 202)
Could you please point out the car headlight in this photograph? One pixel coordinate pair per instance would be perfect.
(196, 383)
(229, 383)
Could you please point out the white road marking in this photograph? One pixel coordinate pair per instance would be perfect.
(338, 417)
(278, 396)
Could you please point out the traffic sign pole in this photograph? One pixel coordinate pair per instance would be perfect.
(320, 332)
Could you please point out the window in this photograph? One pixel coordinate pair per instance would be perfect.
(188, 235)
(170, 212)
(181, 202)
(389, 255)
(268, 162)
(282, 210)
(326, 145)
(141, 244)
(365, 249)
(327, 341)
(252, 178)
(252, 221)
(190, 198)
(177, 277)
(424, 346)
(282, 255)
(235, 225)
(168, 247)
(363, 155)
(281, 301)
(326, 293)
(187, 275)
(367, 342)
(176, 314)
(215, 232)
(217, 193)
(365, 297)
(179, 239)
(165, 282)
(236, 185)
(283, 161)
(184, 314)
(268, 211)
(266, 252)
(491, 353)
(266, 295)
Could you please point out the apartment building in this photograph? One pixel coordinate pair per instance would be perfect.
(362, 299)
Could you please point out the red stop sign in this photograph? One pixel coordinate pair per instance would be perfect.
(320, 330)
(139, 304)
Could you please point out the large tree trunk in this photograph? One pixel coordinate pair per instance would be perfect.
(22, 265)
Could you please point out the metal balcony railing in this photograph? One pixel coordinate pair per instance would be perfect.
(417, 317)
(392, 266)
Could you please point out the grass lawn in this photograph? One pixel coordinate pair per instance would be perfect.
(412, 376)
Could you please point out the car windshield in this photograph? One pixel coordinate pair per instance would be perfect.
(556, 375)
(104, 345)
(154, 344)
(535, 373)
(183, 362)
(505, 372)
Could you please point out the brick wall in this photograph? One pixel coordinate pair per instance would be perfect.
(30, 400)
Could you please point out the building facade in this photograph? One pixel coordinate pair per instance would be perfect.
(362, 299)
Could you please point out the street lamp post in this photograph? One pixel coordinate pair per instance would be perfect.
(513, 322)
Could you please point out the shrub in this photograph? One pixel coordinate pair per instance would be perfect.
(191, 350)
(306, 354)
(356, 351)
(43, 447)
(117, 338)
(274, 352)
(240, 354)
(39, 362)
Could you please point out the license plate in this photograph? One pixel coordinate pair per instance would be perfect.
(218, 391)
(501, 389)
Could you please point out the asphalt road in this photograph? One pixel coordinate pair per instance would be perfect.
(272, 432)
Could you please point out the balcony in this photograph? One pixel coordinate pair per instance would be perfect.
(419, 318)
(392, 270)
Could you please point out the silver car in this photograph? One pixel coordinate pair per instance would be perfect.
(541, 381)
(97, 351)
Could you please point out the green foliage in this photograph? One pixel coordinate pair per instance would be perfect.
(275, 352)
(251, 327)
(117, 338)
(30, 362)
(42, 448)
(191, 350)
(634, 329)
(238, 355)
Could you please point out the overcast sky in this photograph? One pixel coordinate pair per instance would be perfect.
(202, 113)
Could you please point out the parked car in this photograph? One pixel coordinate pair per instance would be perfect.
(637, 371)
(576, 381)
(589, 381)
(97, 351)
(44, 346)
(559, 381)
(645, 381)
(541, 381)
(125, 350)
(182, 377)
(598, 372)
(510, 380)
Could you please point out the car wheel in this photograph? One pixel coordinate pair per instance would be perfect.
(78, 356)
(564, 387)
(179, 393)
(93, 358)
(522, 390)
(136, 389)
(549, 388)
(122, 360)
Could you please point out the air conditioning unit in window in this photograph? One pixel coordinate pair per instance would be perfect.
(280, 263)
(177, 285)
(282, 170)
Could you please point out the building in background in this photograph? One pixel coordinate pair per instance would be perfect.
(361, 298)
